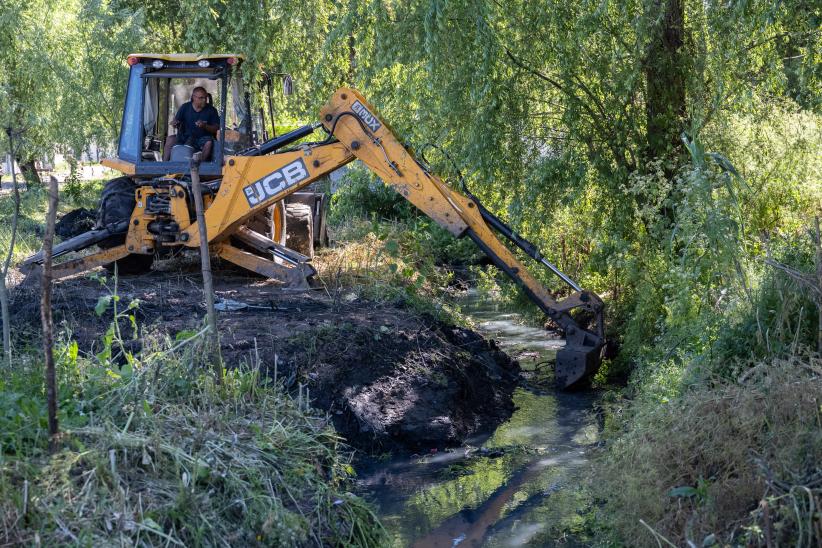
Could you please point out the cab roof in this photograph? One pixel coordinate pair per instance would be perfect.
(187, 57)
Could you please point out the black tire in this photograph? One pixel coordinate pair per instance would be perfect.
(74, 223)
(116, 204)
(299, 229)
(322, 239)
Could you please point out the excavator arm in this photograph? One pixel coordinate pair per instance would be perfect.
(261, 176)
(356, 125)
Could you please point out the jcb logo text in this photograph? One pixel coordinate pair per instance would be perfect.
(274, 183)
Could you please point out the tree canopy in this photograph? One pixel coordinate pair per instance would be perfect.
(625, 138)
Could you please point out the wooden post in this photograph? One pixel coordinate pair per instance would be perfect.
(205, 261)
(45, 311)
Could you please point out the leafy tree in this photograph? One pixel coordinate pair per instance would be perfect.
(61, 74)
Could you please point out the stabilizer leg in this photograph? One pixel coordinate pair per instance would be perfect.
(75, 266)
(291, 277)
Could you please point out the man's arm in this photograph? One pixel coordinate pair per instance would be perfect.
(212, 122)
(210, 128)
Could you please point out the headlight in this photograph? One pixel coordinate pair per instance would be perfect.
(157, 64)
(203, 63)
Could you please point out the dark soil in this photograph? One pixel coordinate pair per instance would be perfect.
(74, 223)
(391, 379)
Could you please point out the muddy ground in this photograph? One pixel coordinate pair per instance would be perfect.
(390, 379)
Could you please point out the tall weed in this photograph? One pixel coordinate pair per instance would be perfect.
(708, 464)
(154, 453)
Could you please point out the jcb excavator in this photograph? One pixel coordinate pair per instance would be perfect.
(148, 212)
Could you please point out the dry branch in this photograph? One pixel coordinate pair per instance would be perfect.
(45, 310)
(208, 285)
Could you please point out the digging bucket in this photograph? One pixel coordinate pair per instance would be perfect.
(576, 363)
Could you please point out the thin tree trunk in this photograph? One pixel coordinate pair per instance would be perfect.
(208, 286)
(45, 311)
(4, 293)
(819, 285)
(352, 59)
(30, 173)
(665, 72)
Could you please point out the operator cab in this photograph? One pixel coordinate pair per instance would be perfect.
(158, 85)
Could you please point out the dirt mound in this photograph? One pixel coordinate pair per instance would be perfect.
(74, 223)
(390, 379)
(403, 382)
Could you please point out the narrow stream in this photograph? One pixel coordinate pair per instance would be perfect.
(518, 487)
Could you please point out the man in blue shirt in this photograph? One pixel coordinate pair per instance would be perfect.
(197, 123)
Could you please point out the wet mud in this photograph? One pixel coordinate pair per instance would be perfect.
(390, 379)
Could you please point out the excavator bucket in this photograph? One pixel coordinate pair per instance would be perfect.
(582, 355)
(575, 364)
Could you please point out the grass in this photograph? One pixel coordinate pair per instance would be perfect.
(732, 462)
(386, 262)
(153, 452)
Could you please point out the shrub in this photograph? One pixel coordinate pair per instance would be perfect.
(736, 462)
(153, 453)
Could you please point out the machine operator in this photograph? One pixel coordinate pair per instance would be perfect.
(197, 123)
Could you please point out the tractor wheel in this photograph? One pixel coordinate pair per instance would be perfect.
(269, 223)
(116, 204)
(299, 229)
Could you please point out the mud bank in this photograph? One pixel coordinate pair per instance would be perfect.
(390, 379)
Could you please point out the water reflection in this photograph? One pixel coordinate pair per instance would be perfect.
(516, 488)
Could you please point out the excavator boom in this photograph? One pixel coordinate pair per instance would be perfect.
(356, 125)
(259, 177)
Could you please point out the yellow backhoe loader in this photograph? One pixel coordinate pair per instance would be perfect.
(149, 212)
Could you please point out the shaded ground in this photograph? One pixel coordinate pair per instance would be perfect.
(390, 379)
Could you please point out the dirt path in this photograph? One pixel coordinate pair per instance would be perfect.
(391, 380)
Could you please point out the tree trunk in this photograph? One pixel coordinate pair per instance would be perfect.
(45, 312)
(352, 59)
(29, 173)
(4, 293)
(665, 72)
(4, 312)
(818, 262)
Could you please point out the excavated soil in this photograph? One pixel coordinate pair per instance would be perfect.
(390, 379)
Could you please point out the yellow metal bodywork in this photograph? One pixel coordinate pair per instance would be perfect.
(127, 168)
(89, 262)
(293, 278)
(231, 208)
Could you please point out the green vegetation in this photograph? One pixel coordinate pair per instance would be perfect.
(386, 262)
(154, 453)
(385, 250)
(664, 154)
(736, 462)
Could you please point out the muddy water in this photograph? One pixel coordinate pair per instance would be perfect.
(518, 486)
